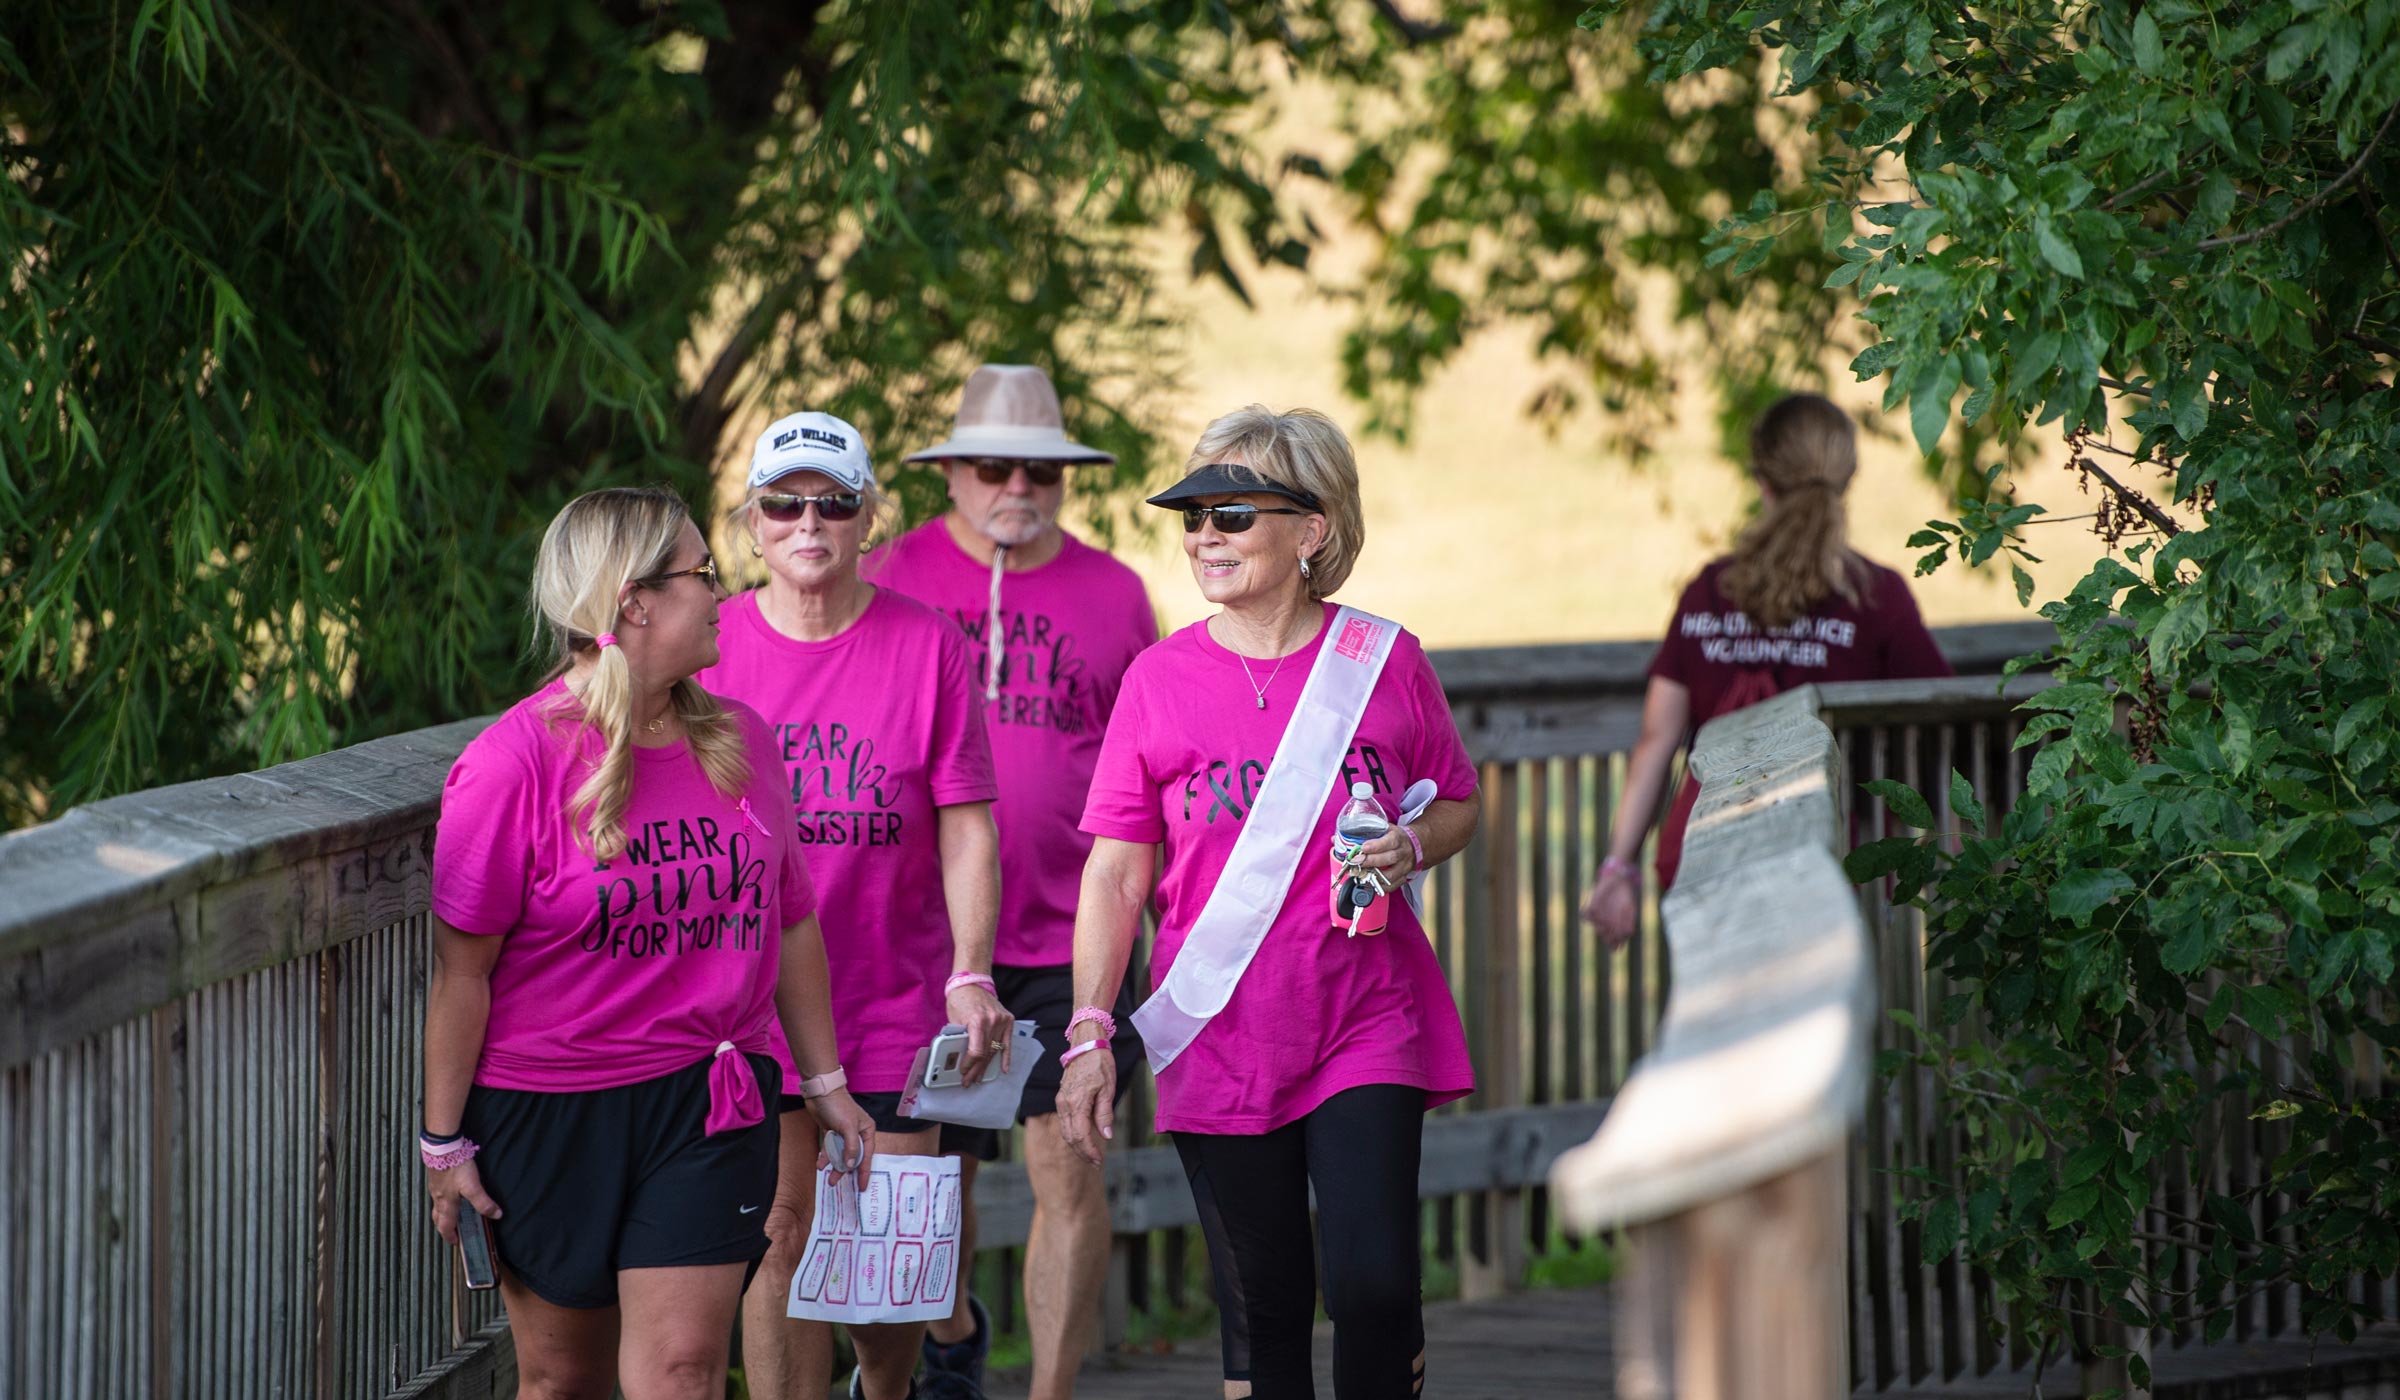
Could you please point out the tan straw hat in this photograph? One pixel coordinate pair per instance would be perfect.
(1011, 411)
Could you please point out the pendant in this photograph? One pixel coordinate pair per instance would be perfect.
(1262, 702)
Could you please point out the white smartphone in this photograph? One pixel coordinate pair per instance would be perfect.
(942, 1065)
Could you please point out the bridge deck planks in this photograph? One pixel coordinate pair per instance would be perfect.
(1559, 1343)
(1540, 1343)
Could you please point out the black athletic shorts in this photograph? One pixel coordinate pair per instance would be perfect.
(1046, 997)
(599, 1180)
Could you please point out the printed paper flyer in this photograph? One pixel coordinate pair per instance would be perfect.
(887, 1252)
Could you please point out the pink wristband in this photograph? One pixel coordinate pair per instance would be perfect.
(447, 1156)
(970, 979)
(1618, 865)
(1076, 1052)
(1107, 1023)
(1414, 844)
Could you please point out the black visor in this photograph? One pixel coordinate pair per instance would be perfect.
(1229, 479)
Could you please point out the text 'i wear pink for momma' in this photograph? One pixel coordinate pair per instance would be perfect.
(620, 971)
(874, 730)
(1069, 628)
(1316, 1013)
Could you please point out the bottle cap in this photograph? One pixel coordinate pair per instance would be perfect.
(1362, 789)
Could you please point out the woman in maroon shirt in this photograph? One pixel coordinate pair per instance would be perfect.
(1793, 605)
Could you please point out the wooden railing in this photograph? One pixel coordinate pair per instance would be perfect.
(1727, 1150)
(212, 998)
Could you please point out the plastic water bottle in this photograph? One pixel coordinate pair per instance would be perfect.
(1357, 906)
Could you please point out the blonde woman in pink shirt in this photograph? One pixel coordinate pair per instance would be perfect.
(1298, 1037)
(626, 965)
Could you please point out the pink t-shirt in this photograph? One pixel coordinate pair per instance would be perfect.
(1317, 1012)
(615, 972)
(875, 729)
(1068, 631)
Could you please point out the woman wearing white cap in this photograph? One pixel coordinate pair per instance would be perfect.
(1293, 1046)
(872, 699)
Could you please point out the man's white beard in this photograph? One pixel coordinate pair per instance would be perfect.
(1013, 528)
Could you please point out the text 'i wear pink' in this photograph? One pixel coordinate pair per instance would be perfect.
(874, 730)
(619, 971)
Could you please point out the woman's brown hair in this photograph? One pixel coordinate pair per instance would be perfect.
(1796, 553)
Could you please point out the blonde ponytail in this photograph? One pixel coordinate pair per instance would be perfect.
(601, 545)
(1797, 553)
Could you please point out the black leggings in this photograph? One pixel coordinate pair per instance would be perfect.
(1360, 1148)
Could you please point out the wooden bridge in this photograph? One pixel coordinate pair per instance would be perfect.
(212, 998)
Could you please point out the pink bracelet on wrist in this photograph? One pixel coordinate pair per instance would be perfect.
(1106, 1022)
(1076, 1052)
(448, 1155)
(1618, 865)
(970, 979)
(1414, 845)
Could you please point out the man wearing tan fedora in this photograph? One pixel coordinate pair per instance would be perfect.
(1055, 623)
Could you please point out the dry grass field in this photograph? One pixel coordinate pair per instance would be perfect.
(1486, 530)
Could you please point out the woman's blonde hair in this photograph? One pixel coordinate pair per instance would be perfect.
(1301, 449)
(601, 546)
(1796, 552)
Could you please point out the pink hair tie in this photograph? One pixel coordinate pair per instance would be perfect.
(1096, 1014)
(605, 640)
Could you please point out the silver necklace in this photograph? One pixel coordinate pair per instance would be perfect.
(1255, 688)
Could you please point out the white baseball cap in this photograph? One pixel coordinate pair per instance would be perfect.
(811, 442)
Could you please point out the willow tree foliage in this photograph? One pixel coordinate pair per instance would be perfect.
(321, 310)
(2168, 229)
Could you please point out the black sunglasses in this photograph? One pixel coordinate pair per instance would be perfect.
(1231, 520)
(995, 471)
(840, 505)
(706, 569)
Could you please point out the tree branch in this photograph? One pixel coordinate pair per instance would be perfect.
(2375, 343)
(2140, 503)
(2340, 182)
(708, 408)
(1415, 31)
(2127, 195)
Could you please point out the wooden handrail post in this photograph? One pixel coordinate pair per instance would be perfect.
(1741, 1298)
(1726, 1155)
(1494, 1263)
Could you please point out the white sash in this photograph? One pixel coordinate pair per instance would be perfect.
(1257, 880)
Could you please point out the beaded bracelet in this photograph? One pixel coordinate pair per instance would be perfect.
(442, 1159)
(1107, 1023)
(970, 979)
(1076, 1052)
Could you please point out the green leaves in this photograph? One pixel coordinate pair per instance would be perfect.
(1904, 802)
(2057, 251)
(2156, 229)
(2075, 896)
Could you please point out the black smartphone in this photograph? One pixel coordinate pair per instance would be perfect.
(475, 1248)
